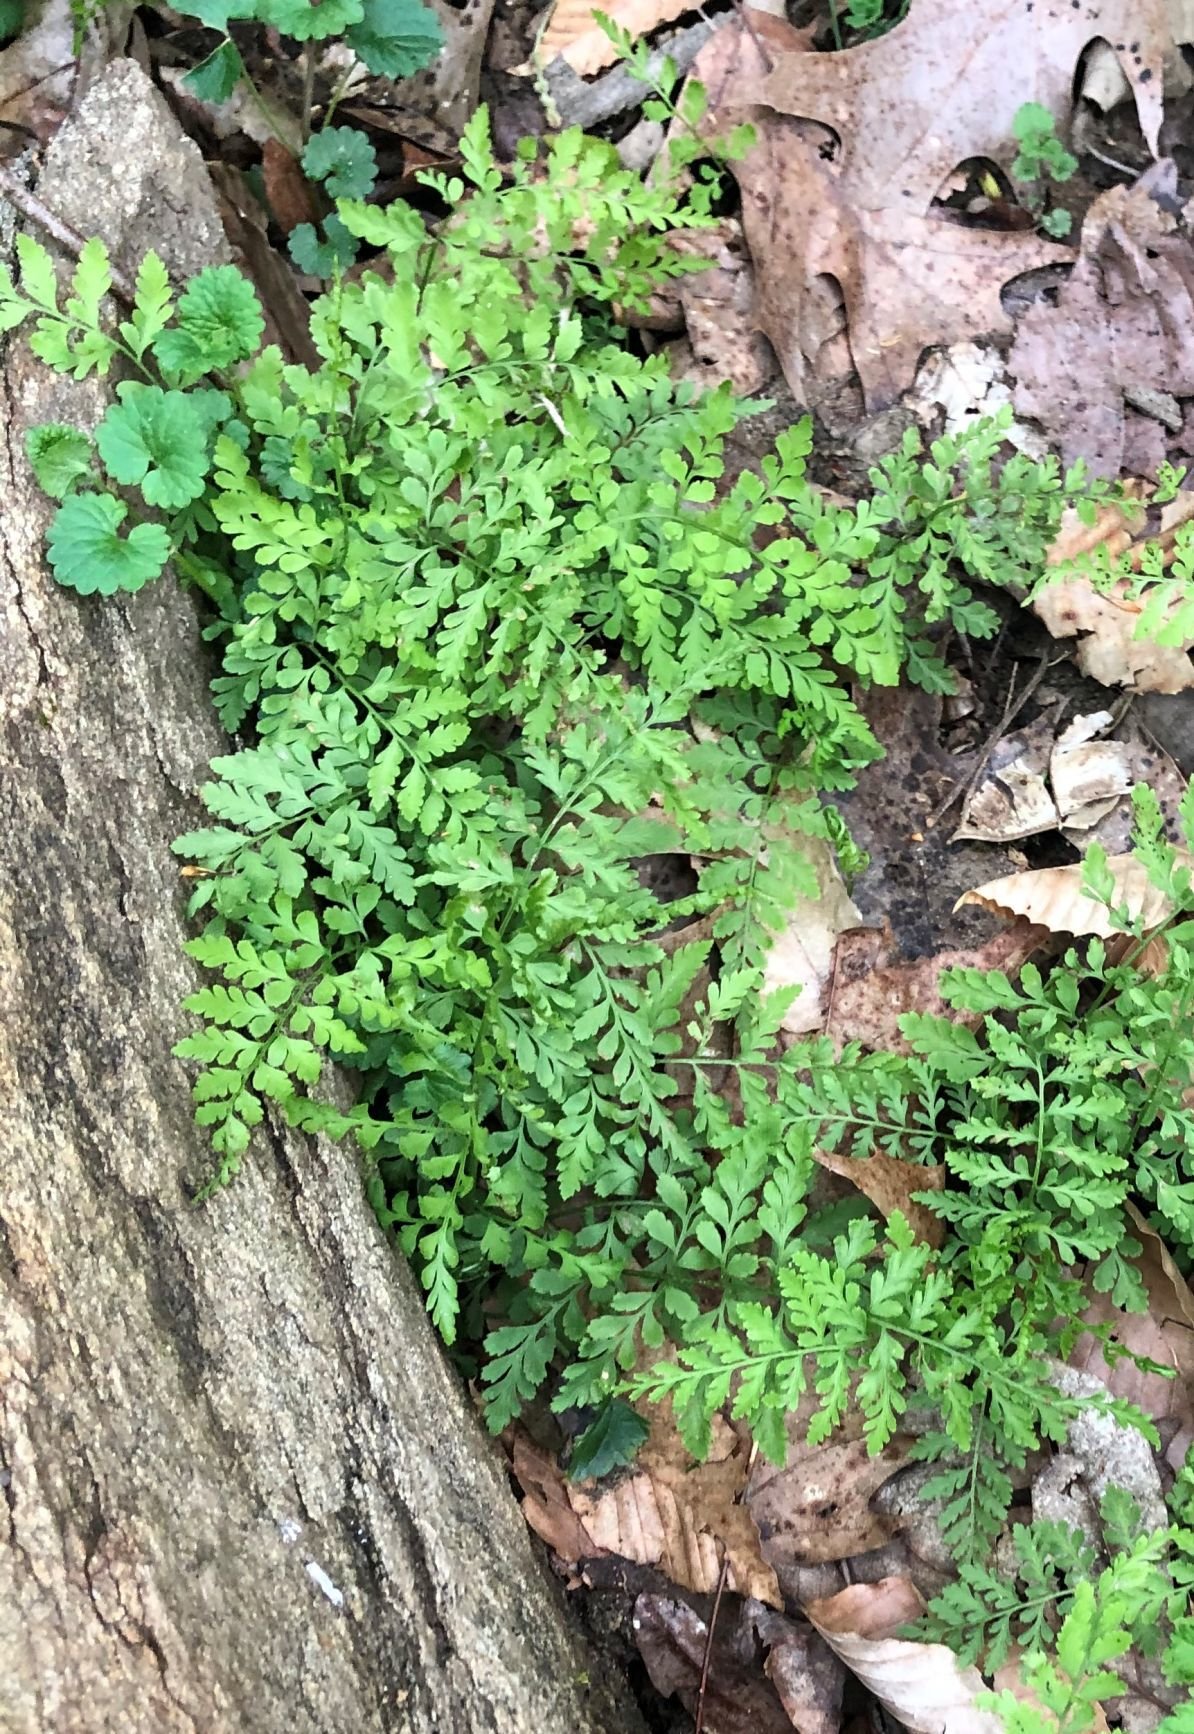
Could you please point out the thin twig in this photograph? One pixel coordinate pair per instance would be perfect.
(768, 66)
(1015, 704)
(717, 1595)
(30, 206)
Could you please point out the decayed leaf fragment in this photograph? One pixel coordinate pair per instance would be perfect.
(1086, 778)
(873, 986)
(818, 1506)
(1052, 897)
(924, 1686)
(853, 148)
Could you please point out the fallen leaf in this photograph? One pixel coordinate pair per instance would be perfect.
(803, 953)
(853, 148)
(1165, 1334)
(572, 36)
(873, 989)
(291, 200)
(545, 1505)
(739, 1698)
(818, 1507)
(924, 1686)
(1122, 323)
(681, 1516)
(889, 1182)
(1052, 897)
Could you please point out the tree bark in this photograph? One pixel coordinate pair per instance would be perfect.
(241, 1489)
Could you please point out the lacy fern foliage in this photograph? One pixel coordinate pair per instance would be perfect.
(508, 650)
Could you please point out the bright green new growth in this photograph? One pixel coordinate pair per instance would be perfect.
(1041, 161)
(510, 645)
(511, 651)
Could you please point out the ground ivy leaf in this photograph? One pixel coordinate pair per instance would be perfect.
(219, 322)
(609, 1441)
(215, 78)
(58, 456)
(396, 37)
(343, 159)
(89, 555)
(148, 440)
(310, 22)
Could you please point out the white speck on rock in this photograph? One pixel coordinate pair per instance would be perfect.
(289, 1529)
(322, 1581)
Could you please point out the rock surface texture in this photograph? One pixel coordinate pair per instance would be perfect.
(239, 1489)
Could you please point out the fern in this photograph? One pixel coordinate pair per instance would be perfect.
(503, 642)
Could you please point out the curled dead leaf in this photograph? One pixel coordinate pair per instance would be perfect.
(924, 1686)
(1052, 897)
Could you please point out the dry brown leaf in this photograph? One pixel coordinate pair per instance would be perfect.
(924, 1686)
(680, 1516)
(572, 36)
(889, 1182)
(853, 148)
(1106, 619)
(873, 986)
(1109, 650)
(545, 1504)
(803, 953)
(818, 1507)
(1165, 1334)
(1052, 897)
(1122, 323)
(287, 189)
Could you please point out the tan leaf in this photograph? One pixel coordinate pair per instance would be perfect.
(1105, 620)
(818, 1507)
(1165, 1334)
(924, 1686)
(572, 36)
(803, 953)
(889, 1182)
(1122, 323)
(680, 1516)
(545, 1502)
(854, 147)
(873, 989)
(1052, 897)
